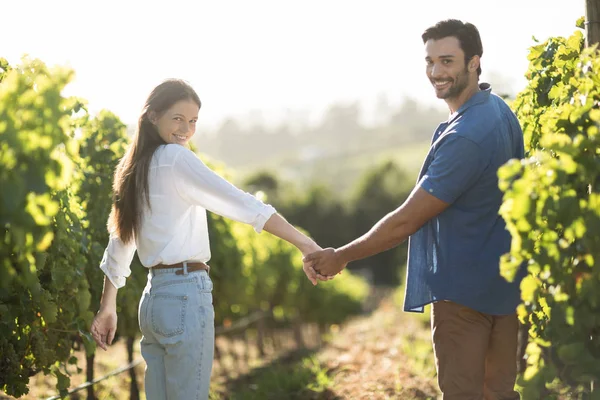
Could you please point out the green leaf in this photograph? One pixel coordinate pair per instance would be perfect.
(63, 381)
(49, 311)
(594, 116)
(88, 342)
(529, 286)
(575, 41)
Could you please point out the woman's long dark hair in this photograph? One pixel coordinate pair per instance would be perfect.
(130, 185)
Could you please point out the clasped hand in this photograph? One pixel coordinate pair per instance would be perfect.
(323, 264)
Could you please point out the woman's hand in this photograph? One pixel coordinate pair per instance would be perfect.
(104, 327)
(308, 266)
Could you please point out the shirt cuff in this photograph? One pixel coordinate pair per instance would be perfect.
(263, 217)
(117, 281)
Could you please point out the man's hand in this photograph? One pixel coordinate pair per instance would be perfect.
(311, 274)
(327, 263)
(104, 327)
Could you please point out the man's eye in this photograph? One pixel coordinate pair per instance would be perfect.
(447, 61)
(178, 119)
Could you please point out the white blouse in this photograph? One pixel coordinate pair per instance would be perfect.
(174, 228)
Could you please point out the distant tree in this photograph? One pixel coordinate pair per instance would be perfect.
(266, 182)
(322, 214)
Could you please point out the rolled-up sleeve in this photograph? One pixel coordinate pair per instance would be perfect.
(199, 185)
(456, 166)
(116, 262)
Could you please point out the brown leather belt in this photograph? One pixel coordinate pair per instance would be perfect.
(191, 267)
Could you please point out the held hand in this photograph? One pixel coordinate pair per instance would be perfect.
(326, 263)
(104, 327)
(311, 274)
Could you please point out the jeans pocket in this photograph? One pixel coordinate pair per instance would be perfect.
(168, 314)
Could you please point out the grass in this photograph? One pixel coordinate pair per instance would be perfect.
(303, 379)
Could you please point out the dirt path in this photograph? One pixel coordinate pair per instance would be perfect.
(384, 355)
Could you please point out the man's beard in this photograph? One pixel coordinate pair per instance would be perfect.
(459, 84)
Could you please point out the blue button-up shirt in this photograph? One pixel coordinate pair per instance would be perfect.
(456, 255)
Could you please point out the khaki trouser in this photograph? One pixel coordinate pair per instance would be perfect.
(475, 353)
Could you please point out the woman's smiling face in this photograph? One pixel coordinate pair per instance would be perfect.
(177, 125)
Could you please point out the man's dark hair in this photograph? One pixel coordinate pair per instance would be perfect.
(466, 33)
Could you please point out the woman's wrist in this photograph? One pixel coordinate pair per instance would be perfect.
(308, 246)
(108, 305)
(108, 301)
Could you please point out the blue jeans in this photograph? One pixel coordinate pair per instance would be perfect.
(176, 318)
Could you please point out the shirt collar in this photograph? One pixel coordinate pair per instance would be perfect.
(481, 96)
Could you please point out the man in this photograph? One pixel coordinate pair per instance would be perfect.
(456, 233)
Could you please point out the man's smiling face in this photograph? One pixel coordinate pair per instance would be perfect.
(446, 67)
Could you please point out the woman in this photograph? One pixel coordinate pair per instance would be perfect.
(161, 194)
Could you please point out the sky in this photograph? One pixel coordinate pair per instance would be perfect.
(269, 60)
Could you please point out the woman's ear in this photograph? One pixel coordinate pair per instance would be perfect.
(152, 117)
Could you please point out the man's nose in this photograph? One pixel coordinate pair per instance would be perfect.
(435, 70)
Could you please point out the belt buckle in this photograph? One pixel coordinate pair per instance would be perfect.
(184, 270)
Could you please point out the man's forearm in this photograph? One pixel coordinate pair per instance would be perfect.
(389, 232)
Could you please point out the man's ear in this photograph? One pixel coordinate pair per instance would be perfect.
(474, 63)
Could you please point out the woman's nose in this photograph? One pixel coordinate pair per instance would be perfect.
(185, 127)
